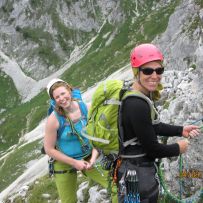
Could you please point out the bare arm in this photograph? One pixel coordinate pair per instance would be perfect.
(50, 139)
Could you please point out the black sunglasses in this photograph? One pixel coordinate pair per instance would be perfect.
(149, 71)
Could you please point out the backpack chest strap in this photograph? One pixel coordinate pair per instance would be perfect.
(133, 141)
(112, 101)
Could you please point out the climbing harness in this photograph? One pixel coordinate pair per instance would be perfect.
(52, 171)
(107, 161)
(115, 171)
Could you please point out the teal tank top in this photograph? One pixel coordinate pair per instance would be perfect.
(69, 138)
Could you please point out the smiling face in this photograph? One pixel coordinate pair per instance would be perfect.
(149, 83)
(62, 96)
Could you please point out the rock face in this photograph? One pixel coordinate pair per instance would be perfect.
(41, 35)
(182, 105)
(182, 99)
(182, 41)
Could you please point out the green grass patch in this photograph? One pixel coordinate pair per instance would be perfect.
(64, 35)
(49, 56)
(15, 164)
(99, 64)
(166, 104)
(157, 20)
(35, 34)
(8, 94)
(7, 7)
(36, 3)
(194, 24)
(199, 2)
(46, 185)
(193, 66)
(22, 119)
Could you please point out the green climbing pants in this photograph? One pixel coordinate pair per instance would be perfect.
(66, 183)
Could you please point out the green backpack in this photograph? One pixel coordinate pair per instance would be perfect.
(103, 116)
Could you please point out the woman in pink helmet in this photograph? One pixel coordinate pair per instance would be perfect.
(140, 124)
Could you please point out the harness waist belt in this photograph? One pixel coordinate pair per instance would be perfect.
(132, 156)
(65, 171)
(142, 164)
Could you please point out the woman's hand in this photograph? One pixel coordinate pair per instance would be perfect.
(190, 131)
(183, 145)
(90, 164)
(93, 158)
(80, 164)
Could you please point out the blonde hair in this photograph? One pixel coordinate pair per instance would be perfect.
(59, 109)
(156, 95)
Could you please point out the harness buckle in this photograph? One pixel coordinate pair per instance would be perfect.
(51, 166)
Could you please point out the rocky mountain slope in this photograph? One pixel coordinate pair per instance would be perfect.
(84, 42)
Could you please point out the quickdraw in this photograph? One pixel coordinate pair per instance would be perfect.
(128, 187)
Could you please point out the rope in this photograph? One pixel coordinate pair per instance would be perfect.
(201, 119)
(192, 199)
(180, 177)
(85, 147)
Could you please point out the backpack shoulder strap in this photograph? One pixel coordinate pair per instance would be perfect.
(154, 113)
(76, 94)
(51, 108)
(83, 108)
(126, 87)
(122, 144)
